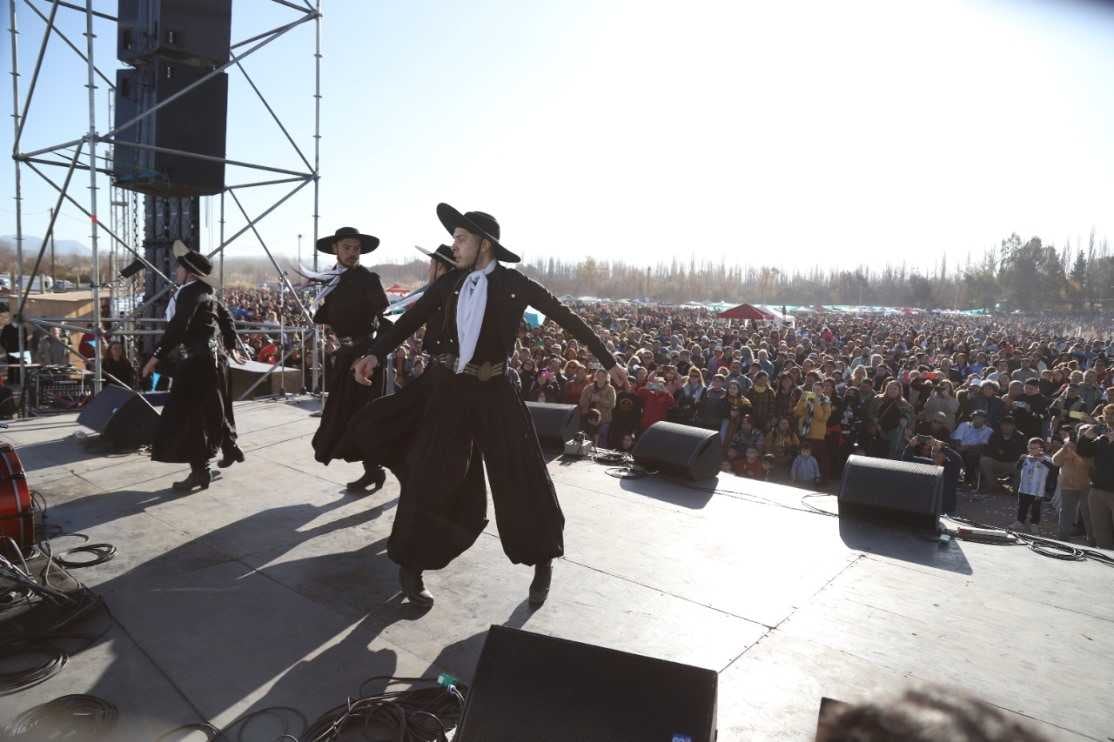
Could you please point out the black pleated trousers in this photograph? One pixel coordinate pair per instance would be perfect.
(443, 507)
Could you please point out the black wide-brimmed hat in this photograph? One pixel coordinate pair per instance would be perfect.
(476, 222)
(443, 254)
(328, 244)
(194, 262)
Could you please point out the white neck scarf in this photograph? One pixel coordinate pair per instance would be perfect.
(173, 305)
(330, 278)
(470, 307)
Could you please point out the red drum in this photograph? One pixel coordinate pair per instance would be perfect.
(17, 518)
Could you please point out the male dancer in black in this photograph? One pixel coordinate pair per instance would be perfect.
(473, 406)
(193, 426)
(352, 304)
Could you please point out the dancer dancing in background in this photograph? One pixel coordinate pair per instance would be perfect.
(193, 425)
(474, 407)
(352, 302)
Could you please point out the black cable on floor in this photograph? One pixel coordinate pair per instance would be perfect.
(101, 553)
(424, 714)
(210, 732)
(1039, 544)
(52, 661)
(77, 717)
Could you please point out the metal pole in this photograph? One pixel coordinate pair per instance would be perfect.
(150, 266)
(53, 276)
(318, 356)
(222, 242)
(61, 34)
(35, 75)
(16, 123)
(92, 85)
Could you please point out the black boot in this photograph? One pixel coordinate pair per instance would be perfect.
(372, 475)
(231, 456)
(539, 588)
(410, 580)
(199, 477)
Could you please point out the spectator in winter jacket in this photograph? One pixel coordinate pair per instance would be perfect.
(1075, 481)
(576, 375)
(762, 401)
(599, 395)
(712, 409)
(1000, 454)
(656, 402)
(1096, 443)
(626, 418)
(805, 469)
(989, 402)
(689, 396)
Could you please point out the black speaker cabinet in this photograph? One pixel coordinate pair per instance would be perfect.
(680, 451)
(533, 687)
(898, 492)
(555, 423)
(196, 32)
(194, 123)
(125, 418)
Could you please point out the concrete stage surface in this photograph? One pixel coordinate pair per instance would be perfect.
(273, 588)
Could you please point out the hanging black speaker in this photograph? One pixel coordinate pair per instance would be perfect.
(533, 687)
(193, 123)
(895, 492)
(680, 451)
(194, 32)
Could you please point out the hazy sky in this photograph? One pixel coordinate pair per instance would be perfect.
(788, 133)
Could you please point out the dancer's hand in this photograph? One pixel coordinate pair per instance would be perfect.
(364, 368)
(618, 376)
(149, 368)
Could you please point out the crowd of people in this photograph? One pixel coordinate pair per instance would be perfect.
(1020, 405)
(1004, 404)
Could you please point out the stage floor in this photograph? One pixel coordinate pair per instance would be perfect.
(273, 588)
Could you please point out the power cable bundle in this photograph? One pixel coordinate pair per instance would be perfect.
(69, 717)
(423, 714)
(1039, 544)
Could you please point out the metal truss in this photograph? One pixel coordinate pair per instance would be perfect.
(79, 155)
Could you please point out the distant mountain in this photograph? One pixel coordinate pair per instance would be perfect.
(31, 245)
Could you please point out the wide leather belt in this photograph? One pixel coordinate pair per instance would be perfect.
(188, 351)
(482, 371)
(352, 342)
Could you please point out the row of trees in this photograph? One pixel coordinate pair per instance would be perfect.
(1026, 275)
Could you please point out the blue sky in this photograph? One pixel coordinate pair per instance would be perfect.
(797, 133)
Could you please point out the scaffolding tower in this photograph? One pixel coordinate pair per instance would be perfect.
(80, 154)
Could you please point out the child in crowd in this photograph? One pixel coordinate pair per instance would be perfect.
(751, 465)
(1033, 478)
(805, 469)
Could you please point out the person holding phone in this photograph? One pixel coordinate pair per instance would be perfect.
(1097, 444)
(1075, 475)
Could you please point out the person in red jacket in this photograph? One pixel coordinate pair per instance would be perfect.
(656, 402)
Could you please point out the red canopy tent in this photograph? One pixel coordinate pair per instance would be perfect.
(397, 290)
(747, 311)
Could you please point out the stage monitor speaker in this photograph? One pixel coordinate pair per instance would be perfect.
(196, 32)
(680, 451)
(193, 123)
(555, 423)
(535, 687)
(897, 492)
(123, 417)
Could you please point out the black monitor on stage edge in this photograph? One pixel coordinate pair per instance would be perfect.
(534, 687)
